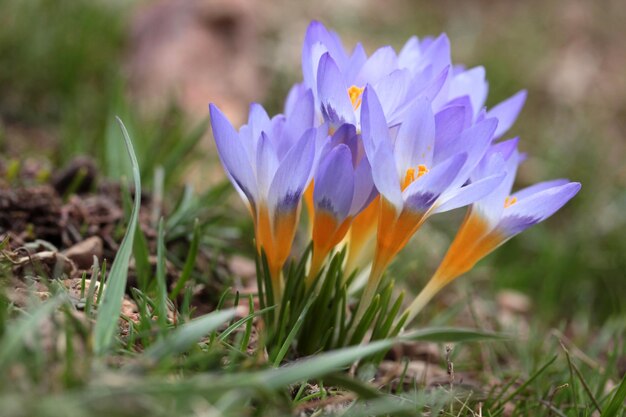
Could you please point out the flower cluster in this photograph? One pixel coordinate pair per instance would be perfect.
(374, 146)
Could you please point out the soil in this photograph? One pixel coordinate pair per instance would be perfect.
(55, 228)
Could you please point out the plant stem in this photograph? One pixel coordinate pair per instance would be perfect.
(427, 293)
(369, 292)
(277, 284)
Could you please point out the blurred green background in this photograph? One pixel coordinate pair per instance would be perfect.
(66, 67)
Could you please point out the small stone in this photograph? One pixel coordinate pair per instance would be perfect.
(83, 252)
(242, 267)
(513, 301)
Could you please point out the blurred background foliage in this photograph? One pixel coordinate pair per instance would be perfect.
(66, 67)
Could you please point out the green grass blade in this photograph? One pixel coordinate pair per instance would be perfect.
(245, 341)
(184, 336)
(292, 334)
(247, 319)
(161, 278)
(364, 390)
(617, 402)
(450, 334)
(190, 262)
(141, 254)
(185, 203)
(366, 320)
(318, 365)
(111, 302)
(11, 341)
(383, 406)
(527, 382)
(185, 146)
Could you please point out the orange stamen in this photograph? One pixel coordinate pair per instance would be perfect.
(509, 201)
(410, 176)
(355, 96)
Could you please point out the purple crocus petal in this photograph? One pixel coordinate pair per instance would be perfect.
(317, 41)
(334, 183)
(482, 115)
(354, 64)
(506, 148)
(471, 83)
(478, 135)
(258, 120)
(458, 69)
(536, 188)
(373, 123)
(437, 53)
(346, 134)
(469, 193)
(310, 72)
(422, 86)
(536, 208)
(503, 150)
(449, 124)
(232, 154)
(501, 157)
(293, 174)
(309, 63)
(332, 41)
(295, 92)
(410, 55)
(385, 177)
(507, 111)
(466, 103)
(301, 117)
(382, 62)
(432, 88)
(364, 189)
(424, 191)
(392, 90)
(333, 93)
(249, 144)
(426, 42)
(415, 141)
(491, 206)
(281, 141)
(322, 146)
(266, 164)
(474, 141)
(354, 142)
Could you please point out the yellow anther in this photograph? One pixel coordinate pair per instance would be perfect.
(411, 176)
(355, 96)
(509, 201)
(421, 170)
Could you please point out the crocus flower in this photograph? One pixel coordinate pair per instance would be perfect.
(343, 188)
(270, 163)
(460, 83)
(420, 173)
(422, 69)
(495, 218)
(338, 78)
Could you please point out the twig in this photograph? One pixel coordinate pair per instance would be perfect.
(450, 365)
(575, 369)
(577, 352)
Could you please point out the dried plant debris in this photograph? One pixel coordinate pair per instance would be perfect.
(57, 228)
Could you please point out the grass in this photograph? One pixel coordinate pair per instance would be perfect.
(163, 362)
(63, 354)
(109, 308)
